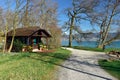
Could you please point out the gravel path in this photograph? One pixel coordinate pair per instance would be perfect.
(83, 65)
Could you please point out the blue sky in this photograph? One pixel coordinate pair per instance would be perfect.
(62, 5)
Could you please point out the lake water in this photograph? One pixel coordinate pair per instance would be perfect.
(115, 44)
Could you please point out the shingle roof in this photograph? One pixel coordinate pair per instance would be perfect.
(30, 31)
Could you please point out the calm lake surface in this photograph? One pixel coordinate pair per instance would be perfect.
(115, 44)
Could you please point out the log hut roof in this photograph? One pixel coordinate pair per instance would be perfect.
(29, 31)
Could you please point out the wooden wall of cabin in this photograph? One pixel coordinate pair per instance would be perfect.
(25, 41)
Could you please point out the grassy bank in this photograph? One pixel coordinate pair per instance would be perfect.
(112, 67)
(88, 48)
(31, 66)
(112, 49)
(96, 49)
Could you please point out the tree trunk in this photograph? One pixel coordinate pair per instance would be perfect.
(71, 29)
(70, 37)
(11, 45)
(5, 41)
(4, 47)
(15, 22)
(105, 35)
(101, 46)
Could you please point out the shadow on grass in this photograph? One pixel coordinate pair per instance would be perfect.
(73, 60)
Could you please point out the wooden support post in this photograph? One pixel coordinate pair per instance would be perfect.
(47, 43)
(28, 41)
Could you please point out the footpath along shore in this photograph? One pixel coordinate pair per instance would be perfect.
(83, 65)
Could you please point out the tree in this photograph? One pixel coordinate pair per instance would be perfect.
(55, 41)
(1, 27)
(25, 13)
(79, 11)
(11, 19)
(39, 13)
(47, 12)
(1, 18)
(107, 20)
(7, 20)
(15, 21)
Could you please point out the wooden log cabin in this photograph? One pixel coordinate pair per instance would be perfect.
(29, 36)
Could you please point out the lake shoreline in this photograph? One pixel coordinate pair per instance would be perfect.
(92, 44)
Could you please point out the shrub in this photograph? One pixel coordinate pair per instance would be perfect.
(29, 48)
(17, 46)
(1, 46)
(55, 41)
(26, 48)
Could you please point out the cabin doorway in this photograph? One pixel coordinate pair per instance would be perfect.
(34, 43)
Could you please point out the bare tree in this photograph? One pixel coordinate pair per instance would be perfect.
(1, 27)
(1, 22)
(1, 18)
(39, 12)
(79, 11)
(11, 21)
(47, 13)
(55, 41)
(7, 18)
(107, 19)
(25, 13)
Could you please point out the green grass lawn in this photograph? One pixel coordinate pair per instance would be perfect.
(31, 66)
(112, 67)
